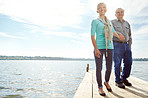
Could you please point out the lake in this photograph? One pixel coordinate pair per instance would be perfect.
(49, 79)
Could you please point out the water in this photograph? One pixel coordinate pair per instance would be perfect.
(49, 79)
(140, 70)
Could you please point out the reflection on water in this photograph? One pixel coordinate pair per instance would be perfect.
(14, 96)
(3, 88)
(49, 79)
(41, 79)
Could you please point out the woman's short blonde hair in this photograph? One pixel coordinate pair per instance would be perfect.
(100, 4)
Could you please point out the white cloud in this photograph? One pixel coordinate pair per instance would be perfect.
(133, 8)
(47, 16)
(44, 12)
(76, 41)
(142, 31)
(10, 36)
(63, 34)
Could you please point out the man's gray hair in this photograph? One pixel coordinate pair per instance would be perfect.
(119, 9)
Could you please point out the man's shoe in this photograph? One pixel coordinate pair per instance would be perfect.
(127, 83)
(120, 85)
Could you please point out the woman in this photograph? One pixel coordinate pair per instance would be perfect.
(104, 31)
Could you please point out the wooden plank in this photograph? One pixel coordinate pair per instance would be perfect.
(85, 88)
(89, 87)
(95, 86)
(139, 88)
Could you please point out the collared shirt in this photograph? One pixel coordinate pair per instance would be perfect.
(124, 29)
(97, 28)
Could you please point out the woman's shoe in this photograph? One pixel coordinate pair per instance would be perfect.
(101, 92)
(108, 87)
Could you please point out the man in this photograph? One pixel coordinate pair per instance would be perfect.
(122, 49)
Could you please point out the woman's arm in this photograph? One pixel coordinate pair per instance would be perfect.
(97, 52)
(116, 35)
(120, 36)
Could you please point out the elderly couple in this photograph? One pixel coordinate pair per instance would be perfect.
(113, 39)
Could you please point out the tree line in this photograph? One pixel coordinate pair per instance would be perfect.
(39, 58)
(53, 58)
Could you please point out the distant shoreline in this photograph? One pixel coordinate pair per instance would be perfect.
(54, 58)
(42, 58)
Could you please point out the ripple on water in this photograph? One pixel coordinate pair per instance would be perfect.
(3, 88)
(19, 90)
(14, 96)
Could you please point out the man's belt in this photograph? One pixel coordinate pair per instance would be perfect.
(120, 42)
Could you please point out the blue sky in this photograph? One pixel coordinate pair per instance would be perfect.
(61, 28)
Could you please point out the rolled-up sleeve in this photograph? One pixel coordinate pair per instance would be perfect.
(93, 27)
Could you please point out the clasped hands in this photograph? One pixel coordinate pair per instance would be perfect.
(121, 37)
(98, 53)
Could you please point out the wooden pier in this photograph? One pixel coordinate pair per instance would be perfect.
(88, 87)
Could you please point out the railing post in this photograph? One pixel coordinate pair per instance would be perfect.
(87, 69)
(121, 69)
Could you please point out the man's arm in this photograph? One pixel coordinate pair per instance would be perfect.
(130, 37)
